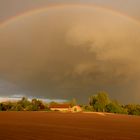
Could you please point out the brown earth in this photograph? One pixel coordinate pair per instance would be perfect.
(68, 126)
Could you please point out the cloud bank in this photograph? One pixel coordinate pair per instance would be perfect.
(71, 52)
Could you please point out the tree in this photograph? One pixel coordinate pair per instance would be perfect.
(0, 106)
(92, 100)
(99, 101)
(73, 102)
(37, 105)
(24, 102)
(18, 107)
(6, 106)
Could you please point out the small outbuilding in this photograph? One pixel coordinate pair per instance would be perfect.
(76, 109)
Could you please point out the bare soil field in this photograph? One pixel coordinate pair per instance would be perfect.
(68, 126)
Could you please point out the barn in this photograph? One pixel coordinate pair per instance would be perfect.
(60, 107)
(65, 108)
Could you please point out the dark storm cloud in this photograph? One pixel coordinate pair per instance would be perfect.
(71, 52)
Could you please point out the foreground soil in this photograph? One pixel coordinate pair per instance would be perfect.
(68, 126)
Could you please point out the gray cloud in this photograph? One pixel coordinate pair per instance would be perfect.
(72, 52)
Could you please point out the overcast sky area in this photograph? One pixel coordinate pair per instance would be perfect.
(13, 7)
(70, 49)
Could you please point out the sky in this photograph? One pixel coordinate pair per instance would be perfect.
(70, 49)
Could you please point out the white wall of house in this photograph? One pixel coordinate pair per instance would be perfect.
(60, 109)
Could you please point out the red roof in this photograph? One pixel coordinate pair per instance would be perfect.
(60, 106)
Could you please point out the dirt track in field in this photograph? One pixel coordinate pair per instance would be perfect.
(68, 126)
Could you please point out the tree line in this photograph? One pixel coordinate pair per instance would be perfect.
(102, 103)
(99, 102)
(24, 105)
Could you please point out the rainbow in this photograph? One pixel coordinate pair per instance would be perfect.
(43, 9)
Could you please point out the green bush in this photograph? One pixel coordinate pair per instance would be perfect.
(114, 107)
(88, 108)
(133, 109)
